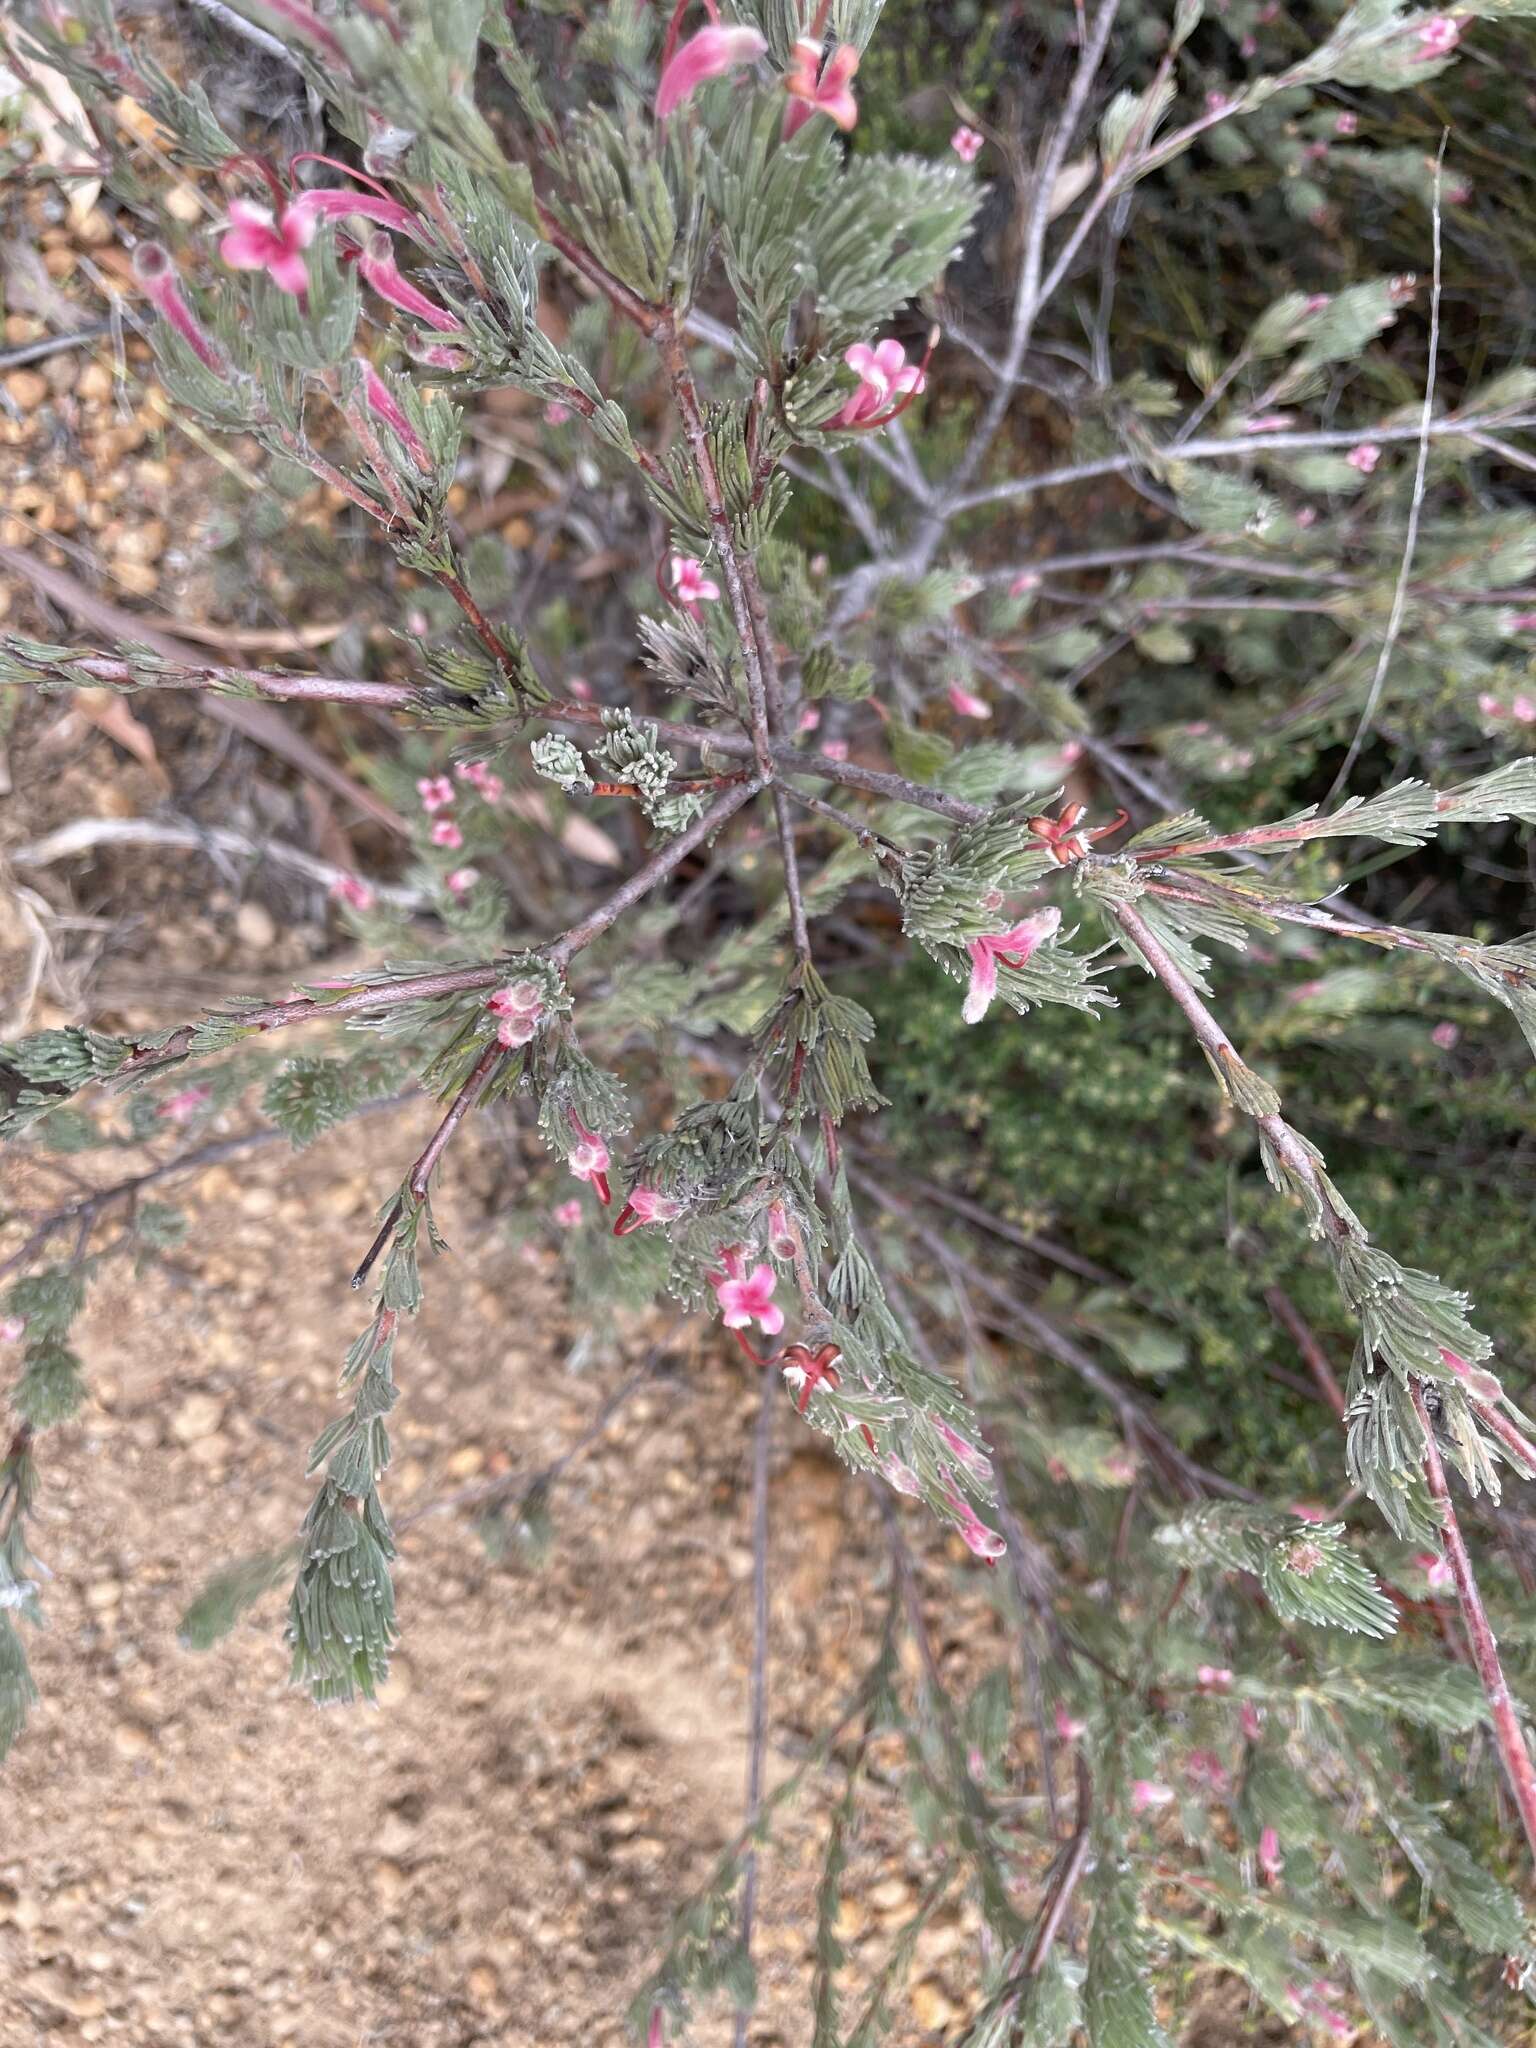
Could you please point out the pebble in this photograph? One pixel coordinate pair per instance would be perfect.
(26, 388)
(255, 926)
(198, 1416)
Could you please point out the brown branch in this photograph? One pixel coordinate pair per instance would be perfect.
(645, 316)
(758, 1740)
(1508, 1735)
(1299, 1330)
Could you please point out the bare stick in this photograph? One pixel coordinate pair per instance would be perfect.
(761, 1445)
(1299, 1330)
(1508, 1735)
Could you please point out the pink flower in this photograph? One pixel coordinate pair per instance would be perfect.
(377, 267)
(1438, 37)
(337, 202)
(981, 1541)
(656, 2032)
(580, 687)
(515, 1031)
(743, 1296)
(1347, 124)
(1523, 622)
(836, 750)
(382, 400)
(354, 891)
(898, 1473)
(481, 776)
(520, 1005)
(977, 1463)
(1217, 102)
(1314, 2001)
(255, 241)
(809, 719)
(435, 791)
(1523, 708)
(155, 271)
(1317, 302)
(1214, 1678)
(1026, 580)
(569, 1214)
(180, 1109)
(446, 833)
(1271, 1862)
(884, 376)
(12, 1329)
(1445, 1036)
(966, 703)
(1071, 752)
(781, 1239)
(1304, 1557)
(1146, 1794)
(1267, 422)
(1204, 1768)
(556, 414)
(1435, 1569)
(690, 585)
(828, 93)
(1482, 1385)
(644, 1205)
(589, 1160)
(1068, 1726)
(1308, 1511)
(709, 54)
(1489, 705)
(1307, 516)
(966, 144)
(1013, 946)
(1251, 1720)
(461, 881)
(1364, 457)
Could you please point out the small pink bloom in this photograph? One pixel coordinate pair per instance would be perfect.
(518, 999)
(1204, 1768)
(482, 777)
(1268, 422)
(1146, 1794)
(1026, 580)
(898, 1474)
(781, 1239)
(377, 267)
(155, 271)
(337, 202)
(1068, 1726)
(1304, 1557)
(976, 1462)
(710, 54)
(1317, 302)
(1271, 1862)
(580, 687)
(1314, 2000)
(1013, 946)
(966, 144)
(1489, 705)
(656, 2032)
(1445, 1036)
(589, 1160)
(1249, 46)
(353, 891)
(836, 750)
(1216, 102)
(1364, 457)
(180, 1109)
(1071, 752)
(437, 355)
(809, 719)
(649, 1205)
(461, 881)
(1438, 37)
(691, 586)
(1435, 1569)
(556, 414)
(255, 241)
(568, 1214)
(1308, 1511)
(829, 93)
(435, 791)
(446, 833)
(1523, 622)
(884, 376)
(1251, 1720)
(966, 703)
(517, 1030)
(1214, 1678)
(1307, 516)
(981, 1541)
(1459, 193)
(12, 1329)
(745, 1296)
(1523, 708)
(1347, 124)
(382, 400)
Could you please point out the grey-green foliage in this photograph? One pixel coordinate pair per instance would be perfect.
(1308, 1570)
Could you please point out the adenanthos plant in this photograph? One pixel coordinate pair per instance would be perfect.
(841, 584)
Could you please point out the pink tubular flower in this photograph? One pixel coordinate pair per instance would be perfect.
(12, 1329)
(1438, 37)
(981, 1541)
(898, 1474)
(337, 202)
(1267, 422)
(966, 703)
(966, 144)
(382, 400)
(377, 267)
(589, 1160)
(690, 584)
(1364, 457)
(781, 1239)
(461, 881)
(1435, 1569)
(435, 791)
(745, 1296)
(254, 240)
(644, 1205)
(710, 54)
(656, 2032)
(813, 90)
(155, 271)
(1482, 1385)
(1271, 1862)
(1146, 1794)
(977, 1463)
(353, 891)
(884, 376)
(1068, 1726)
(1023, 583)
(446, 833)
(180, 1109)
(1013, 946)
(568, 1214)
(1445, 1036)
(519, 1006)
(1250, 1720)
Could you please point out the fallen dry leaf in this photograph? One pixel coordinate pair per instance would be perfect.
(109, 713)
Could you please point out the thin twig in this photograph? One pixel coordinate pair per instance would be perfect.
(761, 1445)
(1299, 1330)
(1508, 1735)
(83, 835)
